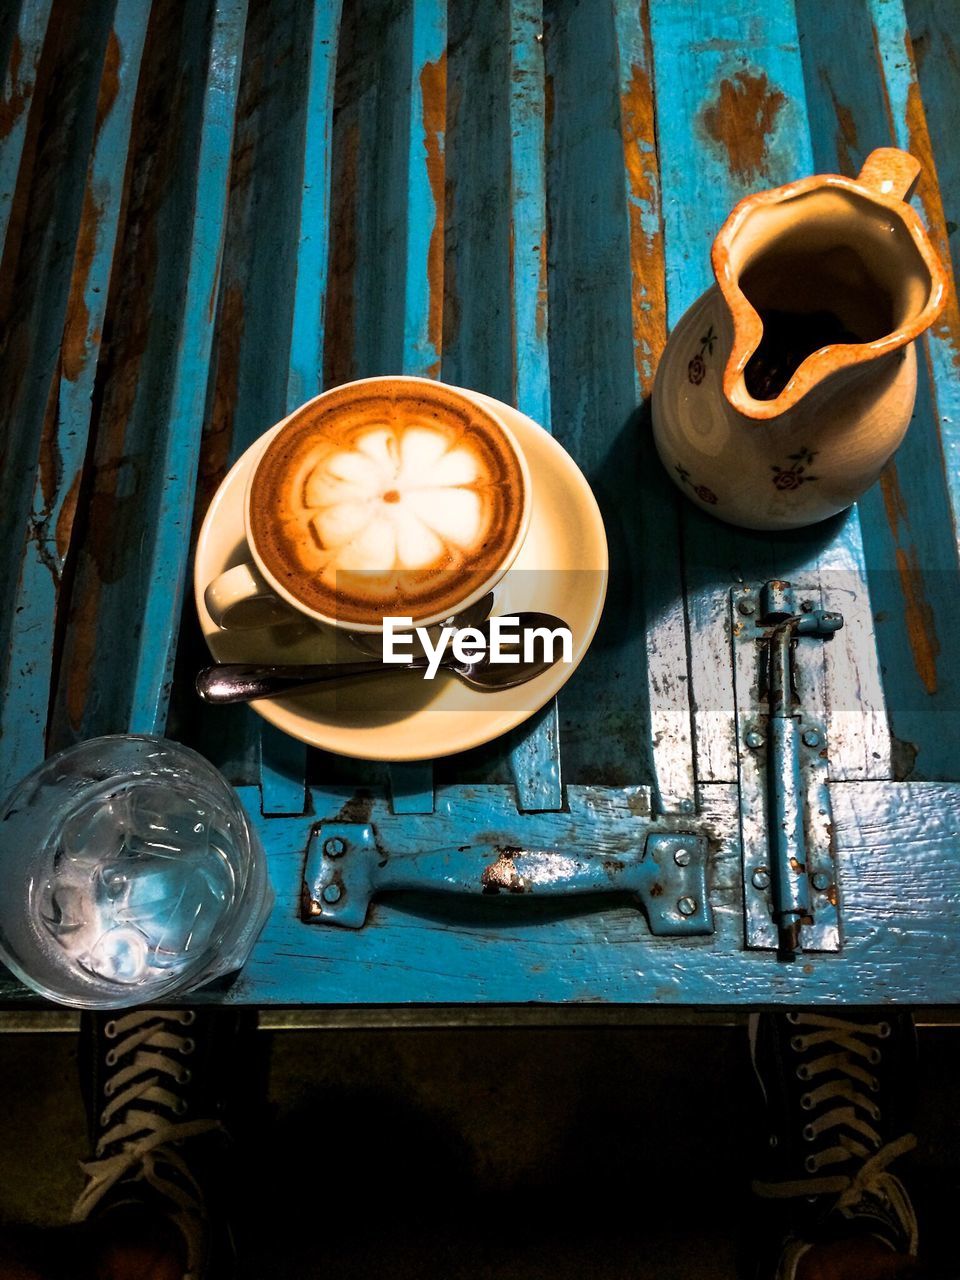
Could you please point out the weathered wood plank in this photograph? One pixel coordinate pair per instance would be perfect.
(339, 364)
(420, 209)
(604, 712)
(732, 120)
(860, 735)
(270, 299)
(933, 630)
(134, 543)
(911, 100)
(535, 749)
(528, 211)
(900, 895)
(271, 307)
(282, 772)
(34, 297)
(411, 786)
(425, 100)
(670, 732)
(496, 330)
(899, 891)
(24, 698)
(178, 462)
(933, 58)
(387, 250)
(283, 762)
(534, 755)
(719, 73)
(899, 886)
(21, 61)
(395, 89)
(477, 346)
(305, 376)
(862, 90)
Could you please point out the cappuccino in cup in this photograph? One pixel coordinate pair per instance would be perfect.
(390, 497)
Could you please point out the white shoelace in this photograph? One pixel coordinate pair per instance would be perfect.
(847, 1126)
(144, 1075)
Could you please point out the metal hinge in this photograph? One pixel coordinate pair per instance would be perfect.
(346, 866)
(790, 889)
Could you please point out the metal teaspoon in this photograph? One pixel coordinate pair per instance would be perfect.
(243, 682)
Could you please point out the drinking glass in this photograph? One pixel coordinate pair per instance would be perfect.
(128, 872)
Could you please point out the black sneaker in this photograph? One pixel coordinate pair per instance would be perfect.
(153, 1086)
(837, 1092)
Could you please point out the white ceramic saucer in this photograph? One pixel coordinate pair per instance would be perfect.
(561, 569)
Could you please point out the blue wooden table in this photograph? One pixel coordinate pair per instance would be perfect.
(210, 212)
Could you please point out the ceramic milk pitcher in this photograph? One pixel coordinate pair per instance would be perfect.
(787, 386)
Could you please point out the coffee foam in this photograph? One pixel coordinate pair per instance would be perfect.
(386, 500)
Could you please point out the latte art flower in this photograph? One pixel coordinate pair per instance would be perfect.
(393, 502)
(398, 498)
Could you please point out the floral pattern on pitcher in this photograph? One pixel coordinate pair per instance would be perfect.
(792, 477)
(701, 490)
(697, 368)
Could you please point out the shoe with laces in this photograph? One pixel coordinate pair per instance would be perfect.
(153, 1087)
(836, 1092)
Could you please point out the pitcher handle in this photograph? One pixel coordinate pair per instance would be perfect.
(891, 172)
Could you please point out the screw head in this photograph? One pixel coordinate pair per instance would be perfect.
(811, 737)
(761, 878)
(334, 847)
(686, 806)
(821, 880)
(681, 857)
(746, 607)
(754, 739)
(331, 893)
(687, 906)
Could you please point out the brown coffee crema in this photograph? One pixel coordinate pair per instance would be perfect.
(386, 501)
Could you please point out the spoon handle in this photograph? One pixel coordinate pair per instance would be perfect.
(228, 682)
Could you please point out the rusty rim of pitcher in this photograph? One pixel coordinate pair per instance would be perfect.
(748, 327)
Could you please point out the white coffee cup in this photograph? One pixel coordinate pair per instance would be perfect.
(430, 469)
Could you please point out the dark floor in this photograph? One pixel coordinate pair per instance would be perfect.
(525, 1153)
